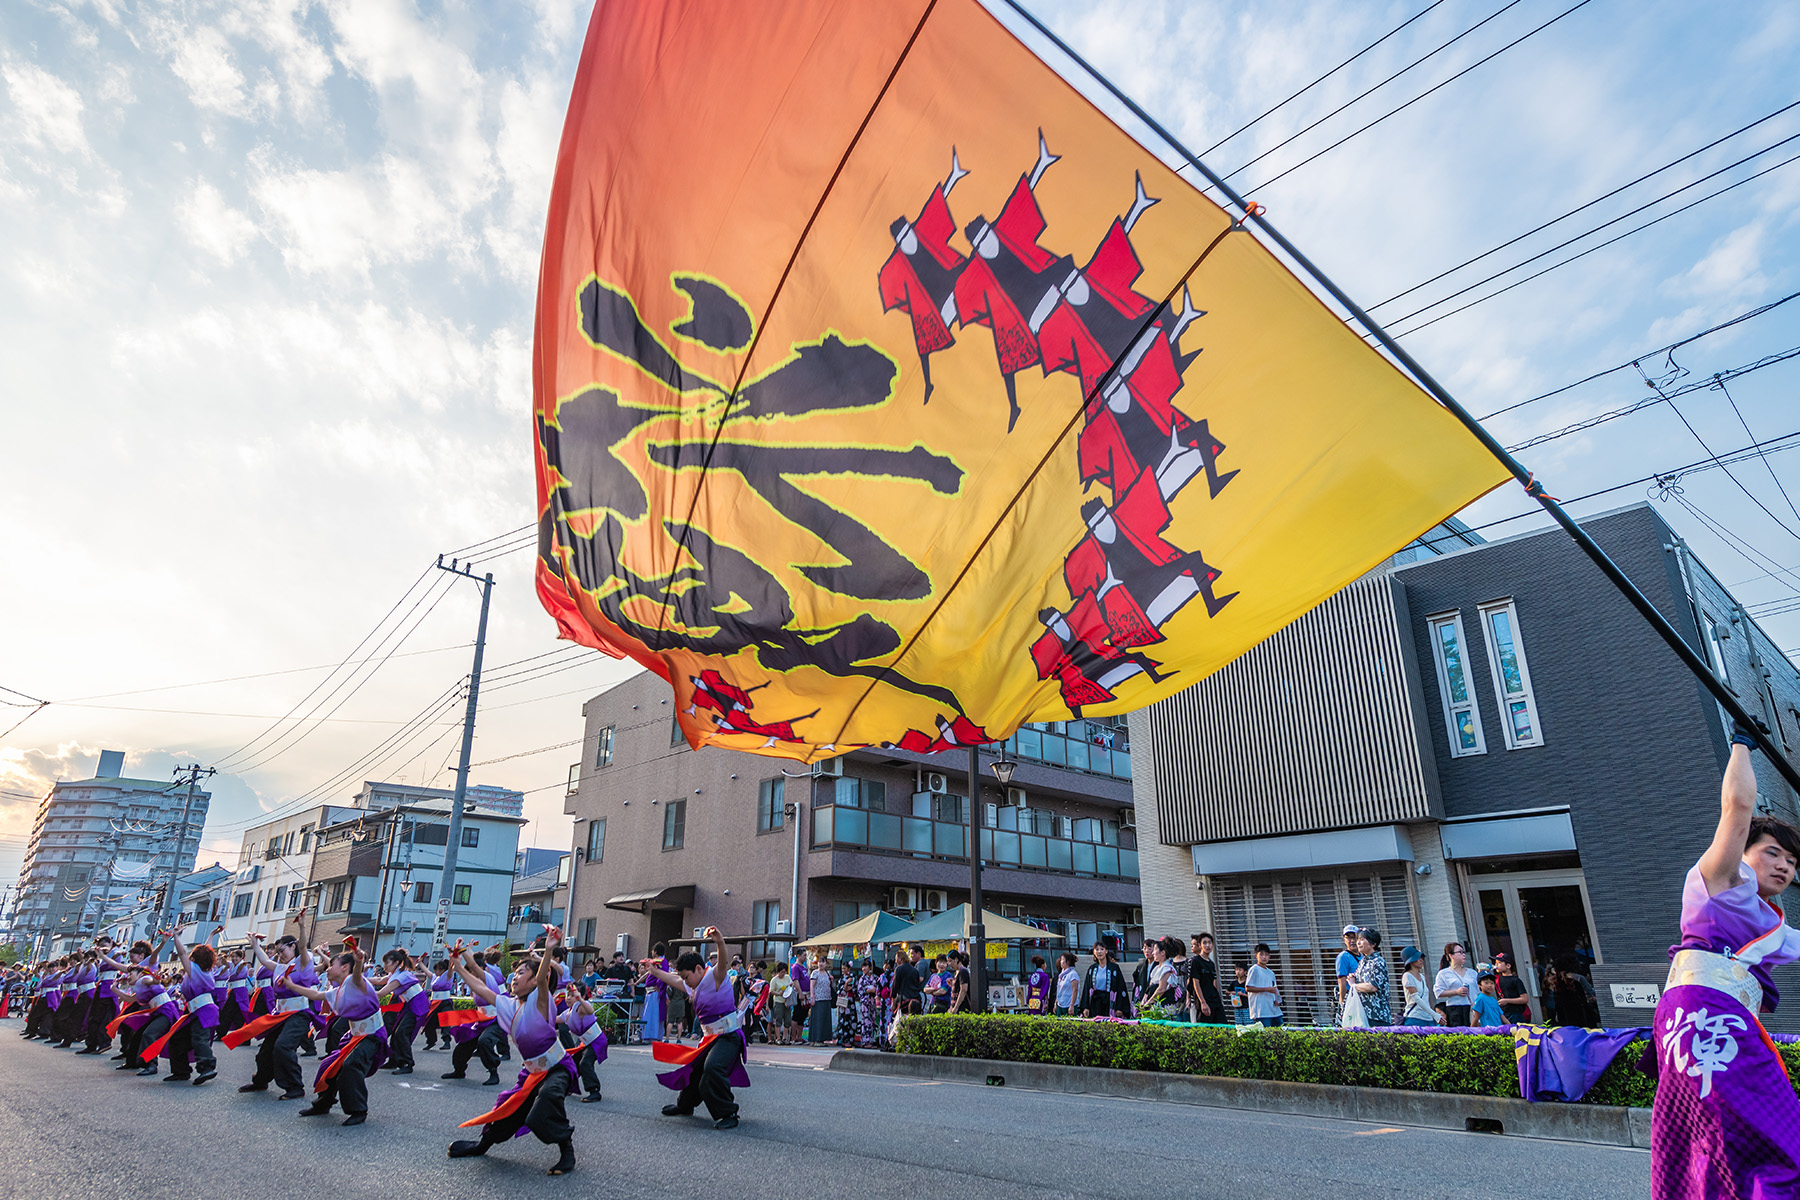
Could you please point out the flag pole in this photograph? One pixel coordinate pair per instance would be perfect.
(1253, 212)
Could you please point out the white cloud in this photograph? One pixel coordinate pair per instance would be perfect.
(202, 60)
(46, 111)
(213, 225)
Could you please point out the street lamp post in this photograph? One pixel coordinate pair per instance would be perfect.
(1003, 768)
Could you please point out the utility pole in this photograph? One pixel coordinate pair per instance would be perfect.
(194, 773)
(447, 890)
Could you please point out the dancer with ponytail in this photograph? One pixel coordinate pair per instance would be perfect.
(191, 1034)
(537, 1102)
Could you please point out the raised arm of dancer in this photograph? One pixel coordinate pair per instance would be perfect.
(180, 950)
(547, 975)
(478, 984)
(256, 949)
(718, 941)
(1737, 805)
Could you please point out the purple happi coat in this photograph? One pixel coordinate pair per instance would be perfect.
(712, 1001)
(362, 1008)
(1726, 1123)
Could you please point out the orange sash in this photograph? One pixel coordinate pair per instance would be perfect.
(263, 1024)
(112, 1026)
(462, 1016)
(155, 1049)
(678, 1055)
(513, 1103)
(331, 1068)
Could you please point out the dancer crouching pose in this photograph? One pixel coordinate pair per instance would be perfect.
(588, 1041)
(287, 1024)
(1725, 1121)
(105, 1005)
(537, 1101)
(344, 1073)
(155, 1014)
(709, 1071)
(442, 985)
(475, 1031)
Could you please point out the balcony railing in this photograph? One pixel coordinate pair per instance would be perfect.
(921, 837)
(1094, 747)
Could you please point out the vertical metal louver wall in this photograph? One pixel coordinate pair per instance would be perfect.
(1302, 917)
(1316, 728)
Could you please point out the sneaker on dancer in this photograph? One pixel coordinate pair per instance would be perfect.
(536, 1103)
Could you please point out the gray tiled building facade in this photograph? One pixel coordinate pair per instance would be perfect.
(1487, 745)
(668, 841)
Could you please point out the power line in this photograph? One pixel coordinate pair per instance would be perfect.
(1327, 75)
(1788, 441)
(379, 625)
(1718, 381)
(1596, 200)
(1580, 4)
(170, 687)
(1661, 397)
(1668, 350)
(1592, 249)
(1624, 216)
(1364, 94)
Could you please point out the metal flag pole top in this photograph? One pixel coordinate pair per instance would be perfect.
(1254, 212)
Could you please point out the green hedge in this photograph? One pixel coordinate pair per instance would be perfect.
(1461, 1064)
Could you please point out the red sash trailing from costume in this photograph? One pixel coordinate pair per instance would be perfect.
(514, 1100)
(112, 1026)
(155, 1049)
(463, 1016)
(330, 1069)
(266, 1023)
(684, 1056)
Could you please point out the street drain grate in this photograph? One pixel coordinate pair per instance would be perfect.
(1483, 1125)
(996, 1081)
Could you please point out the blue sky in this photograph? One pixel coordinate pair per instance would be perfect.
(266, 271)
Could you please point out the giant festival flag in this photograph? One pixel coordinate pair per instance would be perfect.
(886, 392)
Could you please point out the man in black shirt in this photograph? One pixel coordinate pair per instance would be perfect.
(909, 981)
(960, 1000)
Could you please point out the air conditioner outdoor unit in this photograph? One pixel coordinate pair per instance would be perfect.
(1016, 797)
(1128, 818)
(906, 898)
(1015, 911)
(622, 943)
(934, 782)
(784, 927)
(700, 931)
(936, 901)
(1137, 916)
(830, 768)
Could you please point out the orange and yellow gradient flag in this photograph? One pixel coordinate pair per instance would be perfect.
(888, 393)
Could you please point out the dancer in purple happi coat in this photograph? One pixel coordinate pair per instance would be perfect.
(705, 1074)
(536, 1102)
(344, 1072)
(1726, 1122)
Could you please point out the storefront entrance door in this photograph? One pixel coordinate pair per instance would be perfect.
(1535, 918)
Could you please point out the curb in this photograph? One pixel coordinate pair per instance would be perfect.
(1601, 1125)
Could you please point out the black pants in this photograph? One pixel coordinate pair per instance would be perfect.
(351, 1083)
(401, 1028)
(72, 1019)
(34, 1019)
(335, 1033)
(1456, 1015)
(230, 1015)
(709, 1082)
(100, 1015)
(547, 1114)
(431, 1029)
(148, 1034)
(278, 1057)
(487, 1045)
(193, 1039)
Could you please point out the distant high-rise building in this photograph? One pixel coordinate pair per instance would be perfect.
(97, 844)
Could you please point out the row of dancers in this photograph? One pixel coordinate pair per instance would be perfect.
(283, 996)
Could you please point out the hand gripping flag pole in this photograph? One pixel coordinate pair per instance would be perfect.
(1254, 212)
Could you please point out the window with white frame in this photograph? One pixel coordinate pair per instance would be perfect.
(1512, 676)
(1715, 652)
(1449, 650)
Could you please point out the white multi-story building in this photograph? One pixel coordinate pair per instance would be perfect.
(101, 847)
(274, 864)
(376, 874)
(486, 798)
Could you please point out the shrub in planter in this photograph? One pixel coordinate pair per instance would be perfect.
(1459, 1064)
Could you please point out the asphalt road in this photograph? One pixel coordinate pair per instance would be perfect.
(74, 1129)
